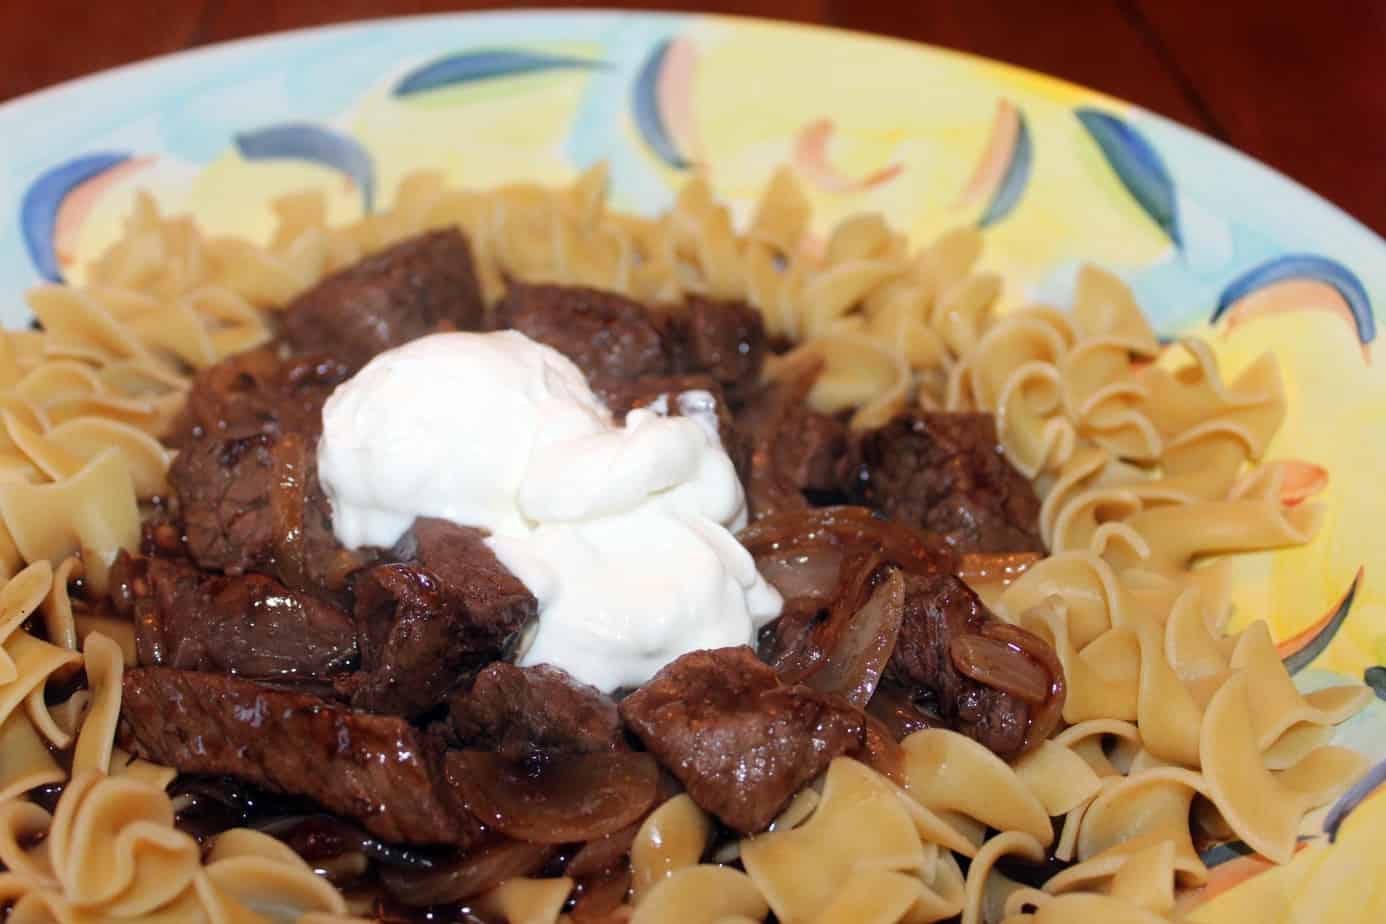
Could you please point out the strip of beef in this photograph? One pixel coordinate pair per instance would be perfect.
(249, 625)
(946, 473)
(793, 448)
(739, 741)
(429, 624)
(254, 503)
(624, 395)
(607, 335)
(723, 340)
(522, 711)
(421, 285)
(1009, 703)
(376, 769)
(259, 391)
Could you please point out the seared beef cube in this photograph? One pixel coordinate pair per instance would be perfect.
(246, 473)
(793, 448)
(259, 392)
(624, 395)
(223, 489)
(607, 335)
(809, 450)
(255, 503)
(376, 769)
(305, 384)
(496, 602)
(946, 473)
(426, 627)
(521, 711)
(940, 610)
(424, 284)
(740, 742)
(249, 625)
(724, 340)
(232, 398)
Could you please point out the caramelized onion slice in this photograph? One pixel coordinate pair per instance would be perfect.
(598, 899)
(601, 855)
(861, 640)
(1000, 666)
(1046, 718)
(850, 529)
(468, 876)
(561, 799)
(807, 573)
(1019, 663)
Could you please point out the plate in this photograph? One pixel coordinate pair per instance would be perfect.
(1212, 243)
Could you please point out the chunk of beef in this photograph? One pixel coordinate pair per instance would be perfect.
(249, 625)
(520, 711)
(624, 395)
(421, 285)
(942, 618)
(723, 340)
(740, 742)
(223, 489)
(259, 391)
(255, 504)
(946, 473)
(607, 335)
(793, 448)
(426, 626)
(376, 769)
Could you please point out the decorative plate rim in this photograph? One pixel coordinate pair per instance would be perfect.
(18, 107)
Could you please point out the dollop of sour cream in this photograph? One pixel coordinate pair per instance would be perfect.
(623, 532)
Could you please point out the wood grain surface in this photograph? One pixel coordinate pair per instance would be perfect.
(1300, 86)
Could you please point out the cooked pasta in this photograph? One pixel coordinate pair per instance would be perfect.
(1148, 461)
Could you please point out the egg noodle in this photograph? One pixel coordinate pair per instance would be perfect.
(1148, 461)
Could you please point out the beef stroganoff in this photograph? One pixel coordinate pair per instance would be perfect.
(1000, 686)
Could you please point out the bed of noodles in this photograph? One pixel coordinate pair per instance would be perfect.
(1148, 461)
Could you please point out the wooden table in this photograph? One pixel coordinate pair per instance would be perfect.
(1301, 86)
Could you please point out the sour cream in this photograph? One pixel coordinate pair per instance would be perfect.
(622, 532)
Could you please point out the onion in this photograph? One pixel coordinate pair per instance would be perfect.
(1019, 663)
(603, 854)
(1001, 666)
(597, 899)
(803, 573)
(863, 640)
(469, 876)
(560, 799)
(1044, 720)
(850, 529)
